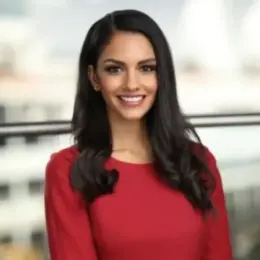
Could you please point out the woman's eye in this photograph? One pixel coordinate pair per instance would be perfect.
(113, 69)
(148, 68)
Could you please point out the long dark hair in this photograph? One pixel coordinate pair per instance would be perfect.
(169, 132)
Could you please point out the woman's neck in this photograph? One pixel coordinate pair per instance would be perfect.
(130, 140)
(127, 133)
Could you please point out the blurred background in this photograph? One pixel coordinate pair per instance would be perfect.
(216, 48)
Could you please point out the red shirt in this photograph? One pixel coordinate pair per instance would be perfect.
(143, 220)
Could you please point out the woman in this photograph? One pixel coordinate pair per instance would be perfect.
(134, 186)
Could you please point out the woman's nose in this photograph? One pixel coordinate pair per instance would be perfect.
(132, 81)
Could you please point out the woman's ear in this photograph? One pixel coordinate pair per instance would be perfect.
(92, 75)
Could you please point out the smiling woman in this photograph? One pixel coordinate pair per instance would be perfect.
(126, 76)
(134, 185)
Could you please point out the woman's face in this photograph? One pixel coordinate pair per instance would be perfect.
(126, 76)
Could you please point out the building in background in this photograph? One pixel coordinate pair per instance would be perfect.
(217, 54)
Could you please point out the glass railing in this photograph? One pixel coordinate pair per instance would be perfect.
(25, 150)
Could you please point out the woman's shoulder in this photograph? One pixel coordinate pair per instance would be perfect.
(202, 152)
(207, 157)
(66, 154)
(60, 162)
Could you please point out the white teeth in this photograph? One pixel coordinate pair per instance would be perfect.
(132, 99)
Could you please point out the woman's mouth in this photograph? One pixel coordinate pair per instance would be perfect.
(131, 100)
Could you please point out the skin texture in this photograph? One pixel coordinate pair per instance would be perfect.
(127, 66)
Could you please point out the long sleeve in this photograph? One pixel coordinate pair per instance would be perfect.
(68, 225)
(218, 244)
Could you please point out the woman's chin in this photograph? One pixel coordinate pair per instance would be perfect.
(128, 114)
(131, 115)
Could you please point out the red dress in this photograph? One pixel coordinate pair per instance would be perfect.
(143, 220)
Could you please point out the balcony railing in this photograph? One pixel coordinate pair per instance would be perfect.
(63, 127)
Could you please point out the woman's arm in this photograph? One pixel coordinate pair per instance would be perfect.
(218, 246)
(68, 225)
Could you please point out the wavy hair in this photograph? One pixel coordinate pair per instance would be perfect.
(169, 132)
